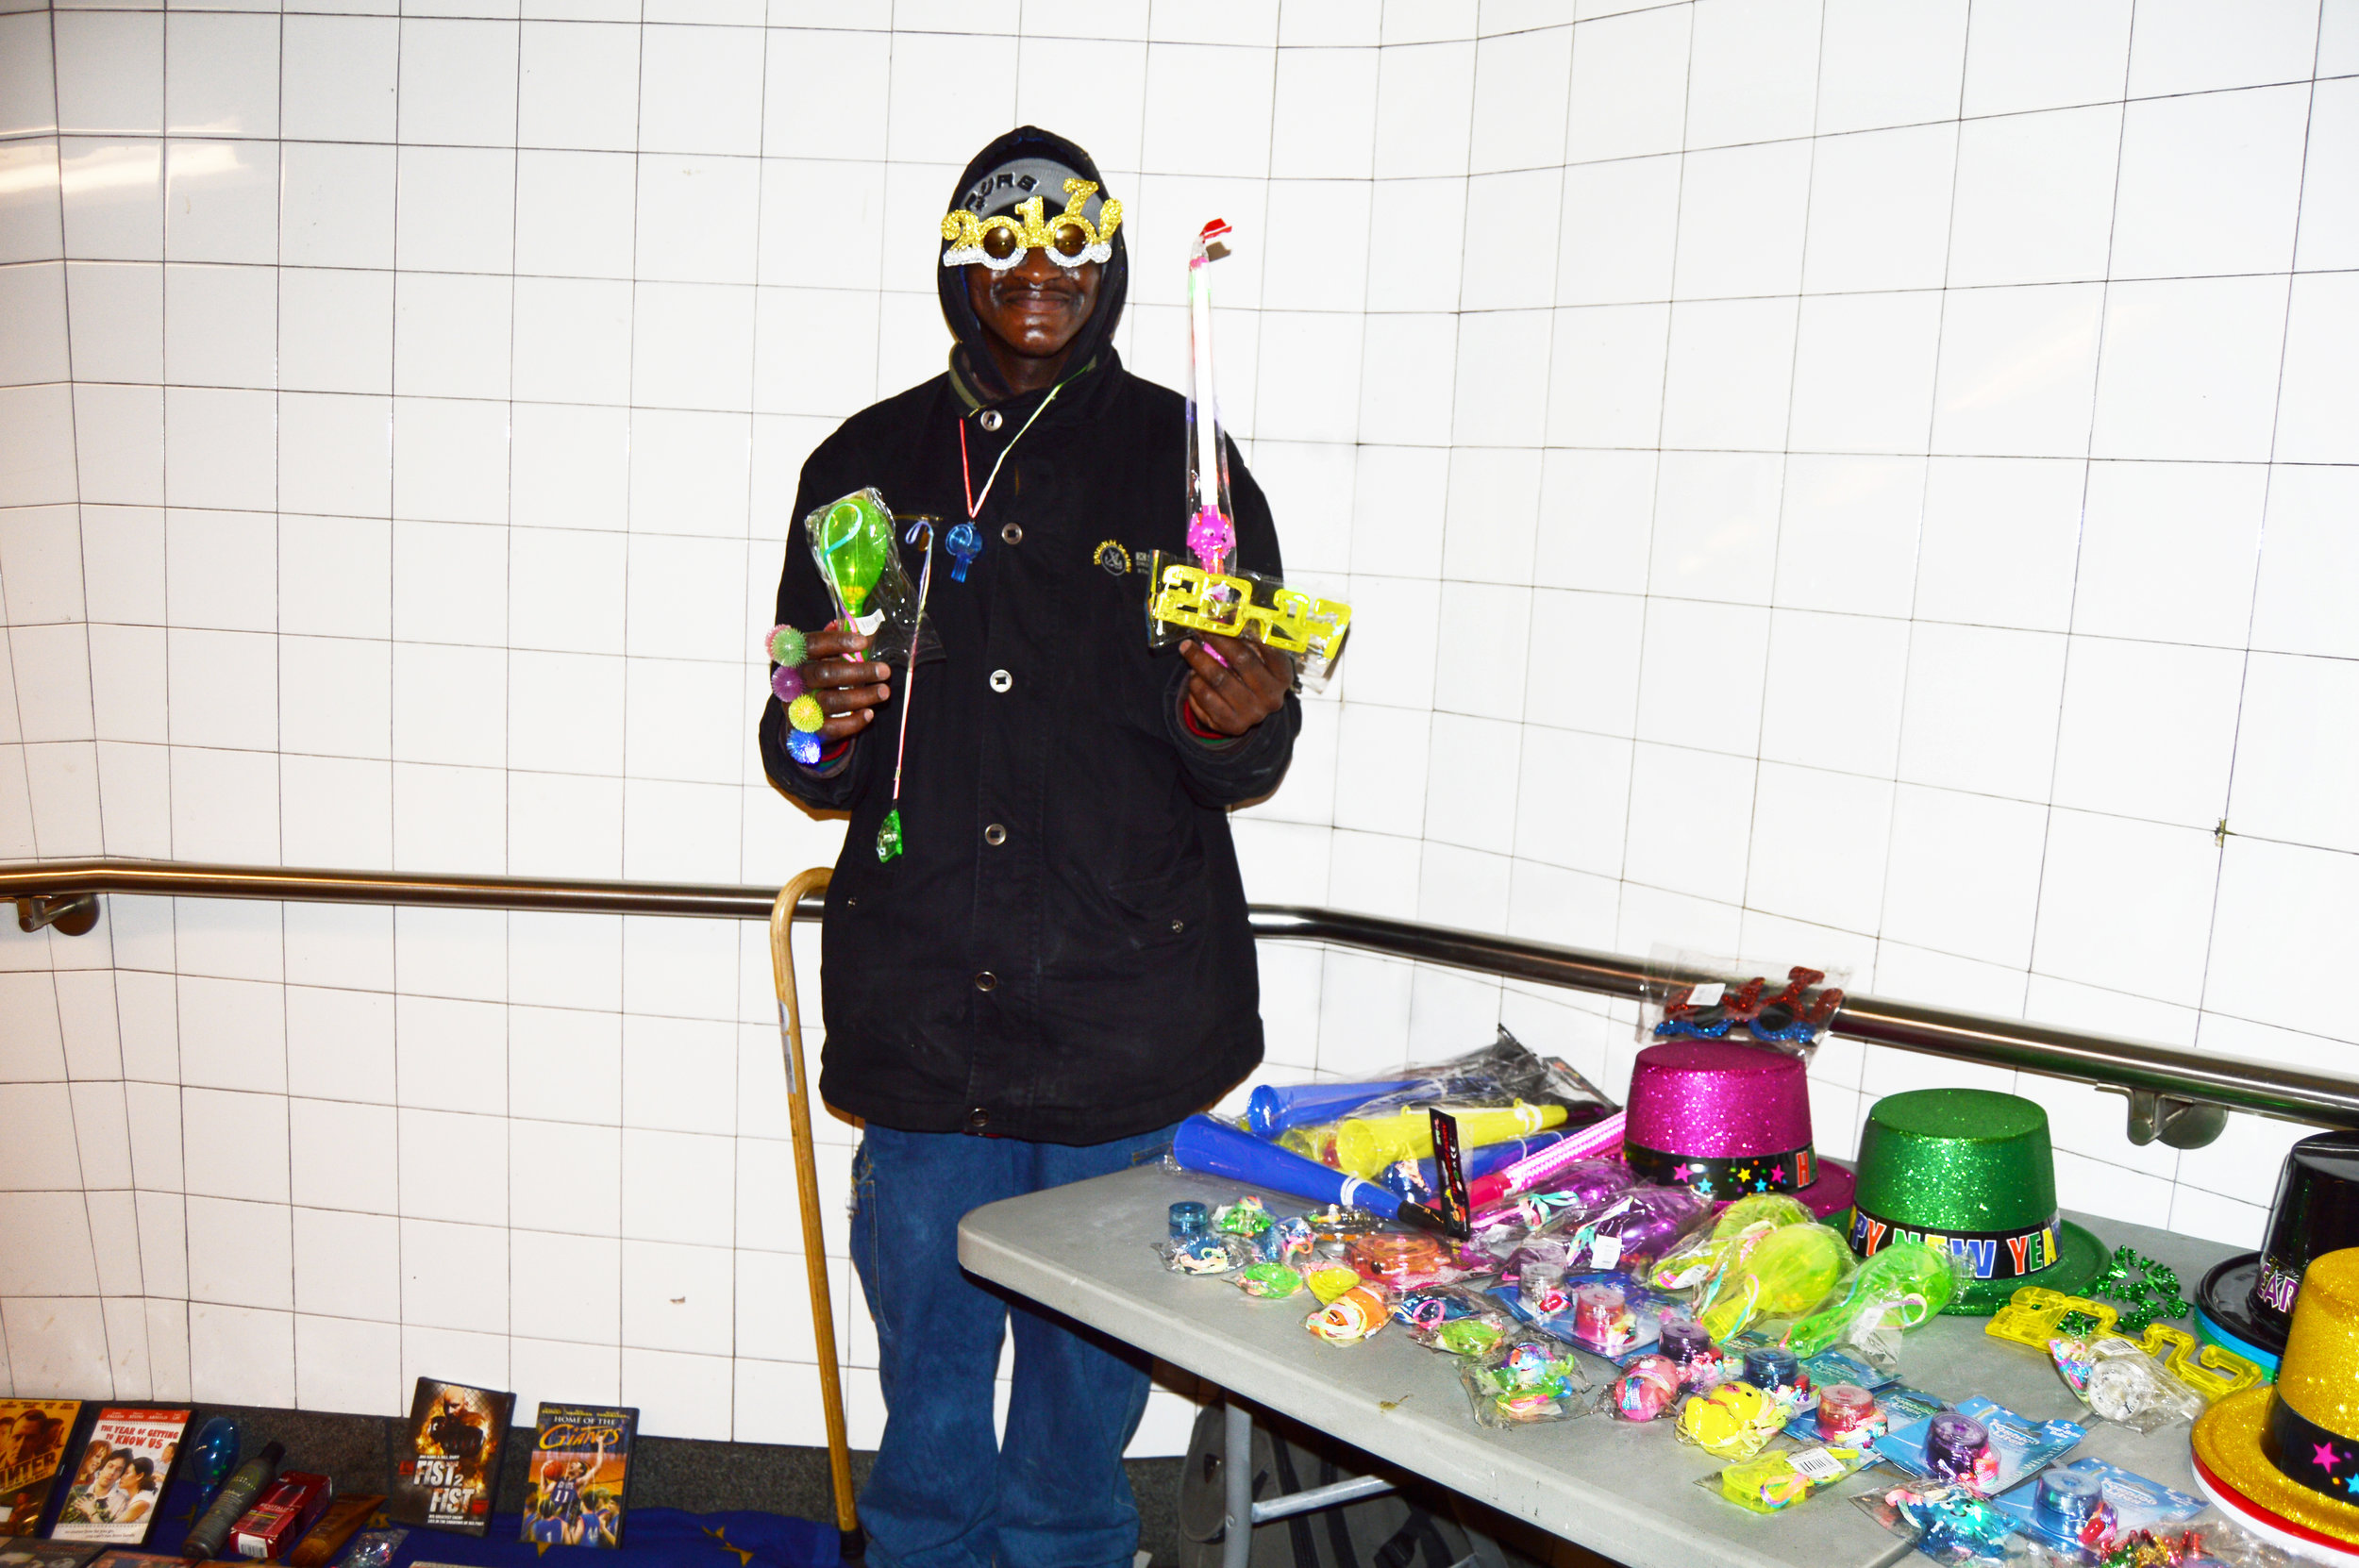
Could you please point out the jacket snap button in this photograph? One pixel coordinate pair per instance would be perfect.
(1001, 680)
(978, 1119)
(1178, 926)
(986, 981)
(995, 835)
(1013, 533)
(988, 419)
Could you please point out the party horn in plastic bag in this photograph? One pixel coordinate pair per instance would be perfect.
(1365, 1144)
(1533, 1170)
(1215, 1149)
(1273, 1108)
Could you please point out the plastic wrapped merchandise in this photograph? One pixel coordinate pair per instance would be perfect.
(2119, 1382)
(1631, 1231)
(1646, 1389)
(1210, 1255)
(852, 539)
(1353, 1316)
(1792, 1271)
(1901, 1286)
(1270, 1281)
(1980, 1443)
(1734, 1420)
(1702, 1259)
(2094, 1506)
(1949, 1524)
(1526, 1380)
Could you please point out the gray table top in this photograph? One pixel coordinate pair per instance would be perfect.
(1623, 1490)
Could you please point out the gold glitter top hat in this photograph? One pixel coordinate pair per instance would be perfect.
(2291, 1451)
(1971, 1171)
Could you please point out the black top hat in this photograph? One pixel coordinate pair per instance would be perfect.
(2317, 1212)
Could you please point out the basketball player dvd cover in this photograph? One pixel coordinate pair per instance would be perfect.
(448, 1469)
(579, 1472)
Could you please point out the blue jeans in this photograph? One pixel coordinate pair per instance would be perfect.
(945, 1492)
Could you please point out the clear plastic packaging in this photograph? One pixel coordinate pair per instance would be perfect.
(1778, 1478)
(2093, 1505)
(1355, 1315)
(1210, 1255)
(1698, 1263)
(1792, 1271)
(855, 542)
(1734, 1420)
(1526, 1381)
(2009, 1447)
(1900, 1288)
(1952, 1524)
(1630, 1232)
(1501, 1073)
(2119, 1382)
(373, 1548)
(1270, 1281)
(1691, 996)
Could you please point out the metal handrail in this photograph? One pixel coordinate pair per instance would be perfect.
(2176, 1095)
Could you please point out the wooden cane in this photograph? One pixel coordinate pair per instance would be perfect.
(807, 1189)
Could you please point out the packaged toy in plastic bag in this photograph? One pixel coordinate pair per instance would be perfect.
(1700, 997)
(1699, 1262)
(1210, 1255)
(1734, 1420)
(2119, 1382)
(1950, 1523)
(853, 541)
(2091, 1505)
(1791, 1271)
(1606, 1313)
(1902, 1286)
(1526, 1380)
(1352, 1317)
(1778, 1478)
(1303, 1117)
(1981, 1444)
(1633, 1230)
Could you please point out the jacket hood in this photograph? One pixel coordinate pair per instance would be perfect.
(1113, 284)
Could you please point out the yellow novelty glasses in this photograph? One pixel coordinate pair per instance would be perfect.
(1070, 238)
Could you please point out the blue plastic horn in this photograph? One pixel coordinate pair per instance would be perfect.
(1274, 1107)
(1215, 1149)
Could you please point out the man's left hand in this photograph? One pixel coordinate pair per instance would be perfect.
(1245, 684)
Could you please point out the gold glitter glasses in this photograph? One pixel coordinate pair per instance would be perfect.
(1069, 239)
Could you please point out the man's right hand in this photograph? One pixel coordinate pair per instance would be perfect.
(849, 687)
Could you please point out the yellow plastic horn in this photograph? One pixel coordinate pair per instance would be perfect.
(1365, 1144)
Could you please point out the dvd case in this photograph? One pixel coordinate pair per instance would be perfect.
(581, 1469)
(32, 1450)
(121, 1474)
(449, 1466)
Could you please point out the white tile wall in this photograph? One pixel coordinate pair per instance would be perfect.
(1828, 481)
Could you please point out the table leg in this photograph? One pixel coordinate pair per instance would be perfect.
(1237, 1477)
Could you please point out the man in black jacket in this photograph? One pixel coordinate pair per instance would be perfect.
(1058, 965)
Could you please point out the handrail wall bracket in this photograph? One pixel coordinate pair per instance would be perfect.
(74, 914)
(2171, 1120)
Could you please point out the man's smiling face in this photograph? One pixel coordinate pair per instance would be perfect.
(1034, 309)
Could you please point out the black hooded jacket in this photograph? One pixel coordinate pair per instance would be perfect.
(1060, 953)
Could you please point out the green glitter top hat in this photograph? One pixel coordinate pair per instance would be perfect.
(1972, 1171)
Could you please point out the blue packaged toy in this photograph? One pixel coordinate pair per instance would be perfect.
(1981, 1444)
(2091, 1505)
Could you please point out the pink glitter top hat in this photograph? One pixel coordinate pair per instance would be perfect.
(1727, 1120)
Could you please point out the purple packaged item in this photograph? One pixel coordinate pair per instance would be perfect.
(1632, 1230)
